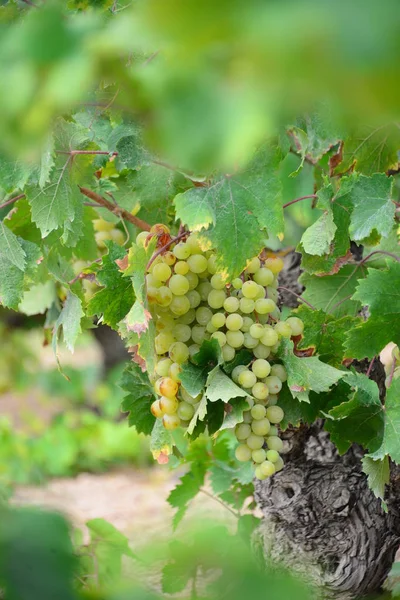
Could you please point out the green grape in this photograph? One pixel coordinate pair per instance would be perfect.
(210, 327)
(181, 267)
(258, 412)
(274, 443)
(236, 294)
(261, 368)
(270, 336)
(171, 422)
(272, 400)
(273, 430)
(264, 277)
(236, 372)
(141, 238)
(162, 367)
(188, 317)
(253, 265)
(242, 431)
(163, 341)
(217, 282)
(175, 371)
(212, 264)
(247, 323)
(260, 391)
(247, 418)
(263, 319)
(79, 266)
(152, 294)
(279, 465)
(267, 468)
(279, 371)
(249, 341)
(243, 453)
(283, 329)
(220, 337)
(259, 474)
(179, 305)
(178, 284)
(161, 272)
(168, 387)
(250, 289)
(157, 386)
(234, 338)
(204, 288)
(218, 320)
(101, 237)
(275, 347)
(181, 251)
(272, 294)
(274, 384)
(247, 379)
(264, 306)
(228, 353)
(216, 299)
(193, 243)
(197, 263)
(155, 409)
(169, 406)
(165, 323)
(187, 397)
(256, 331)
(231, 304)
(198, 334)
(261, 427)
(234, 322)
(193, 349)
(274, 264)
(185, 411)
(194, 298)
(169, 258)
(237, 283)
(259, 456)
(272, 456)
(103, 225)
(275, 284)
(164, 296)
(182, 333)
(255, 442)
(296, 325)
(261, 351)
(246, 304)
(250, 404)
(151, 281)
(193, 280)
(203, 315)
(260, 294)
(275, 414)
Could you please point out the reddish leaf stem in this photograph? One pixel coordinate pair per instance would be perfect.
(371, 364)
(117, 210)
(11, 200)
(379, 252)
(281, 287)
(313, 196)
(165, 247)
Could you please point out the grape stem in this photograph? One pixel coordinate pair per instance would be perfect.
(313, 196)
(117, 210)
(390, 254)
(297, 296)
(207, 493)
(371, 364)
(11, 200)
(165, 247)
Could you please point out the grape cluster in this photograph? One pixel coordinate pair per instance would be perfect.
(191, 302)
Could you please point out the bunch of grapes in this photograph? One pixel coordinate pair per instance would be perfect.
(191, 302)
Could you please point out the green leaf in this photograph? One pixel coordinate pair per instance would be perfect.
(292, 408)
(215, 416)
(333, 293)
(314, 135)
(193, 378)
(38, 299)
(373, 206)
(378, 473)
(177, 573)
(318, 237)
(139, 399)
(391, 440)
(187, 489)
(199, 415)
(371, 150)
(221, 477)
(306, 374)
(235, 416)
(116, 298)
(69, 320)
(380, 291)
(13, 280)
(221, 387)
(10, 248)
(243, 357)
(14, 175)
(161, 441)
(209, 354)
(231, 206)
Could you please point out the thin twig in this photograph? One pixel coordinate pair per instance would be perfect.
(30, 3)
(220, 502)
(11, 200)
(340, 302)
(116, 210)
(379, 252)
(313, 196)
(82, 274)
(281, 287)
(167, 245)
(371, 364)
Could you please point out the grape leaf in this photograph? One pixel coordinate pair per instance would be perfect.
(292, 408)
(116, 298)
(138, 317)
(155, 188)
(221, 387)
(306, 374)
(38, 298)
(177, 573)
(10, 248)
(199, 415)
(13, 280)
(161, 441)
(314, 135)
(14, 175)
(209, 354)
(380, 291)
(221, 477)
(373, 207)
(187, 489)
(378, 473)
(360, 419)
(318, 237)
(234, 416)
(391, 438)
(231, 206)
(193, 378)
(215, 416)
(333, 293)
(69, 320)
(139, 398)
(243, 357)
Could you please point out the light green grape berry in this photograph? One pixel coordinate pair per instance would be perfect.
(274, 443)
(254, 442)
(275, 414)
(243, 430)
(279, 371)
(218, 320)
(247, 379)
(243, 453)
(261, 427)
(261, 368)
(296, 325)
(272, 456)
(231, 304)
(259, 456)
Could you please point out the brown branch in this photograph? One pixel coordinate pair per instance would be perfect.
(165, 247)
(313, 196)
(11, 200)
(116, 210)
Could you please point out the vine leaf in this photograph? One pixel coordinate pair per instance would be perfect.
(14, 280)
(69, 320)
(235, 415)
(187, 489)
(318, 237)
(380, 291)
(199, 415)
(391, 438)
(306, 374)
(10, 248)
(221, 387)
(140, 396)
(373, 207)
(232, 205)
(378, 474)
(194, 376)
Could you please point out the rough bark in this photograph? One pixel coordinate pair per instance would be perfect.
(320, 517)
